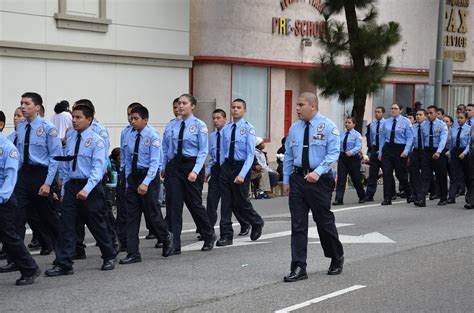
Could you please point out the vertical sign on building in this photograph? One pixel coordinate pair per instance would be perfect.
(456, 30)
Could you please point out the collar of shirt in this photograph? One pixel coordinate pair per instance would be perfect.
(239, 123)
(36, 122)
(85, 133)
(187, 121)
(314, 120)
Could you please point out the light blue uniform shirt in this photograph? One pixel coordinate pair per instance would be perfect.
(213, 149)
(373, 131)
(123, 144)
(354, 141)
(324, 146)
(166, 142)
(195, 141)
(465, 137)
(12, 137)
(44, 145)
(90, 159)
(8, 168)
(403, 133)
(244, 147)
(440, 134)
(149, 152)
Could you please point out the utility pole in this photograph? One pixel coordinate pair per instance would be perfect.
(439, 54)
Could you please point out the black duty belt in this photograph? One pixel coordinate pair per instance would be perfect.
(300, 171)
(78, 181)
(235, 162)
(30, 167)
(185, 160)
(140, 171)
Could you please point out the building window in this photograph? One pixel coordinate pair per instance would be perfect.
(404, 94)
(252, 85)
(88, 15)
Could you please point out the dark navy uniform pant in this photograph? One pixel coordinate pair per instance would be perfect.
(374, 167)
(430, 165)
(13, 245)
(459, 172)
(181, 191)
(121, 222)
(235, 199)
(92, 212)
(415, 174)
(316, 197)
(348, 165)
(148, 204)
(214, 196)
(391, 160)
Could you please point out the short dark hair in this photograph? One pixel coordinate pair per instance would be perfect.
(2, 117)
(85, 102)
(134, 105)
(470, 105)
(381, 108)
(222, 112)
(85, 109)
(61, 106)
(450, 118)
(36, 98)
(241, 101)
(441, 110)
(412, 115)
(460, 106)
(421, 110)
(175, 101)
(400, 107)
(434, 107)
(190, 98)
(352, 118)
(141, 111)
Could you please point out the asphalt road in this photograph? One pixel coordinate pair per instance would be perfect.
(398, 258)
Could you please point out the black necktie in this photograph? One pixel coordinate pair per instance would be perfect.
(305, 155)
(469, 122)
(232, 144)
(15, 140)
(431, 135)
(218, 149)
(392, 133)
(377, 136)
(420, 144)
(344, 143)
(458, 138)
(135, 154)
(26, 146)
(179, 154)
(76, 151)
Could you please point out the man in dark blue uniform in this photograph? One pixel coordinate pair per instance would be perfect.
(12, 243)
(82, 193)
(312, 148)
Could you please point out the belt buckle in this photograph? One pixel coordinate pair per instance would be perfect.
(306, 172)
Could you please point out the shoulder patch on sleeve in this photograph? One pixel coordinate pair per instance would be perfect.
(14, 154)
(335, 131)
(100, 144)
(53, 132)
(252, 131)
(203, 129)
(156, 143)
(104, 134)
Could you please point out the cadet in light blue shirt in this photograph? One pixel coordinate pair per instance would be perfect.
(416, 155)
(349, 162)
(459, 159)
(435, 134)
(83, 193)
(142, 162)
(312, 148)
(238, 149)
(12, 243)
(396, 140)
(185, 173)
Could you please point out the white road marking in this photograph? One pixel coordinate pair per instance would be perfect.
(319, 299)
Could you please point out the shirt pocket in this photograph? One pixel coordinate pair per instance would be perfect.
(38, 141)
(241, 143)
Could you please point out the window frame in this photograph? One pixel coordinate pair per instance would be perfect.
(77, 22)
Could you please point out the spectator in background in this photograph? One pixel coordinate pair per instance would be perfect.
(441, 113)
(62, 119)
(269, 177)
(280, 156)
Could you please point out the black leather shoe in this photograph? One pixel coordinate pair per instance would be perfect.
(256, 231)
(209, 244)
(337, 202)
(150, 236)
(362, 201)
(451, 201)
(168, 246)
(79, 257)
(443, 202)
(468, 207)
(108, 265)
(297, 274)
(131, 258)
(369, 199)
(387, 202)
(224, 242)
(10, 267)
(58, 270)
(34, 244)
(434, 197)
(420, 203)
(28, 280)
(46, 251)
(394, 198)
(159, 244)
(410, 199)
(244, 231)
(336, 266)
